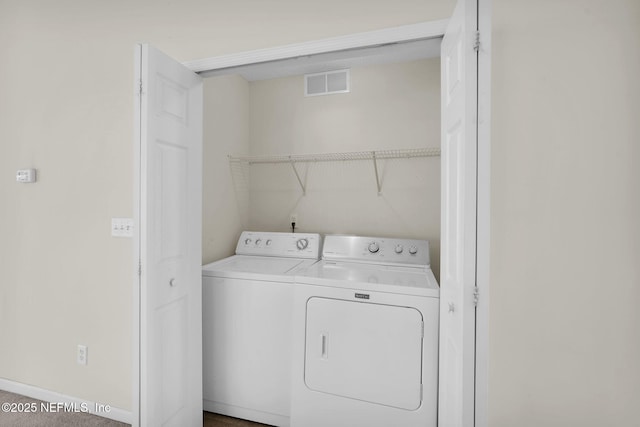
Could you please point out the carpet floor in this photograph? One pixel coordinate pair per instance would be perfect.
(15, 415)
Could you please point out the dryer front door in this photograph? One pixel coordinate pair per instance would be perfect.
(365, 351)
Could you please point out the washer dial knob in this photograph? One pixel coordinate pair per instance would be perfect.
(268, 243)
(399, 249)
(258, 241)
(413, 250)
(247, 241)
(302, 244)
(374, 247)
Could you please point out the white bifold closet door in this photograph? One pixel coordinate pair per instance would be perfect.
(170, 124)
(458, 227)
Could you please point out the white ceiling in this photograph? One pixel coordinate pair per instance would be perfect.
(384, 54)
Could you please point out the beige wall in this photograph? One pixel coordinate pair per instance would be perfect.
(391, 106)
(565, 270)
(225, 198)
(565, 277)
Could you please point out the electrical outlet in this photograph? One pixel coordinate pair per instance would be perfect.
(82, 355)
(294, 218)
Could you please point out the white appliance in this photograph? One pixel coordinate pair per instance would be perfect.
(366, 336)
(247, 315)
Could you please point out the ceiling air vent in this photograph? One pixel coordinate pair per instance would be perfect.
(326, 83)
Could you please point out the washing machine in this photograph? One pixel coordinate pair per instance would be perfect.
(247, 334)
(365, 336)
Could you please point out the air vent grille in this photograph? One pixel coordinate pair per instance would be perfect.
(326, 83)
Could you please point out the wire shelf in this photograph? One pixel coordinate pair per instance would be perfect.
(373, 156)
(337, 157)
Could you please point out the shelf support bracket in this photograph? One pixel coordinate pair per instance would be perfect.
(293, 165)
(375, 168)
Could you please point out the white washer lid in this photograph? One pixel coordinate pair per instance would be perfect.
(382, 278)
(255, 267)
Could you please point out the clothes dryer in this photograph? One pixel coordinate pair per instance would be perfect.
(247, 316)
(366, 336)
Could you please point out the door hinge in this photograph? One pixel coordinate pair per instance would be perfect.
(139, 268)
(476, 41)
(140, 87)
(476, 295)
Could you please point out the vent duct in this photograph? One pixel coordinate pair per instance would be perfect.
(326, 83)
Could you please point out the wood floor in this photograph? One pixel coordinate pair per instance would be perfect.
(217, 420)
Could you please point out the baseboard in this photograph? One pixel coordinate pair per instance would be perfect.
(33, 392)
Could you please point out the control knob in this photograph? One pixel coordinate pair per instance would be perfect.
(247, 241)
(399, 249)
(268, 242)
(413, 250)
(258, 241)
(374, 247)
(302, 244)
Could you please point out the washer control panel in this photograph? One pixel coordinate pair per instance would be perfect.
(294, 245)
(380, 250)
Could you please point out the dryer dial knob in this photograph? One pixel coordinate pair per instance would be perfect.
(268, 243)
(302, 244)
(258, 241)
(374, 247)
(247, 241)
(399, 249)
(413, 250)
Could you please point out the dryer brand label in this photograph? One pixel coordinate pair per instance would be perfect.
(362, 296)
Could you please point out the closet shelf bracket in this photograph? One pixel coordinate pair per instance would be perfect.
(375, 168)
(295, 170)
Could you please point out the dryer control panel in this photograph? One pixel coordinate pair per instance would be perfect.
(377, 250)
(293, 245)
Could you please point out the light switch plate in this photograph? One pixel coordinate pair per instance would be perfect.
(122, 227)
(82, 354)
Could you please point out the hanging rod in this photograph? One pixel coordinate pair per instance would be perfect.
(334, 157)
(374, 155)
